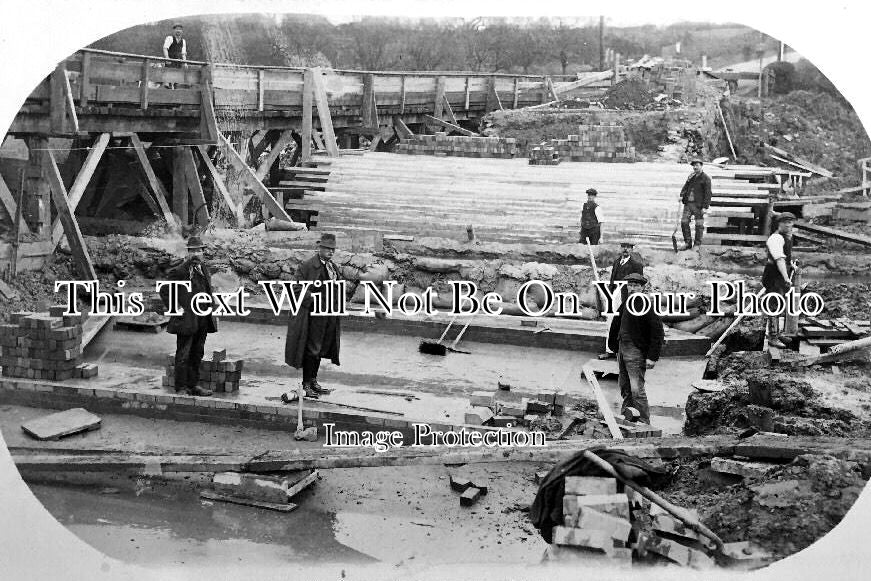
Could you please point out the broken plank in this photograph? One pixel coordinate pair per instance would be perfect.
(68, 218)
(450, 126)
(58, 425)
(834, 233)
(281, 507)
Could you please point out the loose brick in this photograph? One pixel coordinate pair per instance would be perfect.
(590, 519)
(470, 496)
(504, 421)
(614, 504)
(459, 483)
(477, 416)
(590, 485)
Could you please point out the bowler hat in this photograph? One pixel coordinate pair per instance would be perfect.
(327, 241)
(627, 242)
(786, 217)
(195, 243)
(635, 277)
(592, 192)
(696, 160)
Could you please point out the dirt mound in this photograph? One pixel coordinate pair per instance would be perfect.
(783, 512)
(628, 94)
(843, 300)
(35, 289)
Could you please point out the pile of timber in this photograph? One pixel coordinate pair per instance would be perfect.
(543, 155)
(441, 144)
(604, 142)
(702, 324)
(220, 375)
(816, 336)
(44, 346)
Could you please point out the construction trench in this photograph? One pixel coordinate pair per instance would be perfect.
(765, 448)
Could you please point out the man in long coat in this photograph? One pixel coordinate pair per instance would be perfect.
(189, 328)
(313, 337)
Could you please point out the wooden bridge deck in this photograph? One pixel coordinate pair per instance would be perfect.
(112, 92)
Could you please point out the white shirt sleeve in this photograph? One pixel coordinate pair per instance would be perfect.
(775, 246)
(599, 214)
(168, 42)
(184, 50)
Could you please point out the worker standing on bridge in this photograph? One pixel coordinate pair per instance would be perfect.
(591, 219)
(174, 47)
(637, 340)
(312, 337)
(696, 198)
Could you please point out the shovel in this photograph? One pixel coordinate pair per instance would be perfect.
(453, 346)
(436, 348)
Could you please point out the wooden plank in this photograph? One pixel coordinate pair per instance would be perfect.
(57, 116)
(113, 94)
(302, 484)
(783, 155)
(466, 95)
(516, 93)
(81, 182)
(85, 80)
(369, 109)
(261, 86)
(179, 186)
(402, 95)
(447, 109)
(70, 103)
(307, 98)
(834, 233)
(604, 407)
(68, 218)
(320, 98)
(438, 104)
(60, 424)
(401, 128)
(284, 140)
(92, 326)
(248, 175)
(208, 121)
(373, 145)
(280, 507)
(219, 183)
(198, 199)
(157, 188)
(143, 84)
(584, 82)
(10, 206)
(450, 126)
(318, 141)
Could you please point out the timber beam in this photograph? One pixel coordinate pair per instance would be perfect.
(254, 182)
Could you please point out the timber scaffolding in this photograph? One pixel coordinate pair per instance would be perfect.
(170, 116)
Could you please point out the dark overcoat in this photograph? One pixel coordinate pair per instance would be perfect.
(298, 327)
(188, 322)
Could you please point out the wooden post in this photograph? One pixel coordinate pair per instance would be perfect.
(37, 187)
(368, 109)
(143, 87)
(12, 208)
(283, 141)
(248, 175)
(219, 184)
(58, 106)
(307, 98)
(208, 121)
(85, 80)
(402, 94)
(70, 103)
(438, 105)
(179, 186)
(791, 325)
(201, 217)
(156, 187)
(68, 218)
(81, 182)
(323, 105)
(516, 92)
(450, 111)
(261, 74)
(466, 96)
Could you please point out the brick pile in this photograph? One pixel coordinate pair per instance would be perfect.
(605, 142)
(506, 409)
(220, 374)
(442, 145)
(543, 155)
(44, 346)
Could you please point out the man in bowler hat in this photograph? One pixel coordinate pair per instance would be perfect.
(312, 337)
(189, 328)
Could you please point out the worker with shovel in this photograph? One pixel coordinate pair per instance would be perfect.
(312, 337)
(777, 276)
(696, 198)
(637, 340)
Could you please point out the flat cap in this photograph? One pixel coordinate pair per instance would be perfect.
(592, 192)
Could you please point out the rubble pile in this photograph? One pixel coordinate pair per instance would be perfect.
(544, 155)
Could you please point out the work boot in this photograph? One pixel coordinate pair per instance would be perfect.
(687, 236)
(319, 389)
(309, 391)
(197, 390)
(700, 232)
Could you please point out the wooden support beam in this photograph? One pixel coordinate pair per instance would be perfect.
(179, 186)
(157, 188)
(70, 103)
(57, 100)
(68, 218)
(450, 112)
(401, 128)
(17, 222)
(373, 146)
(834, 233)
(493, 101)
(10, 206)
(450, 126)
(201, 218)
(369, 108)
(439, 104)
(261, 87)
(402, 94)
(551, 90)
(248, 175)
(219, 183)
(85, 80)
(320, 98)
(466, 97)
(318, 141)
(307, 98)
(143, 84)
(283, 141)
(77, 190)
(516, 93)
(208, 121)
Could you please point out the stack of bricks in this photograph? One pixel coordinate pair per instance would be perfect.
(442, 145)
(606, 142)
(220, 375)
(44, 346)
(505, 409)
(543, 155)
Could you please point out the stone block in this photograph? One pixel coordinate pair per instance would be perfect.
(482, 399)
(613, 504)
(470, 496)
(478, 416)
(590, 485)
